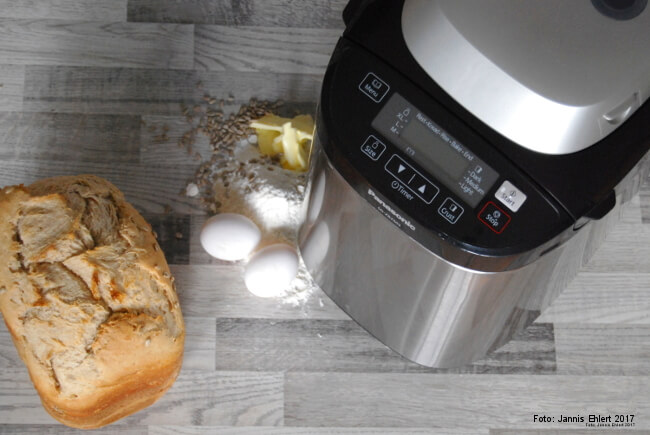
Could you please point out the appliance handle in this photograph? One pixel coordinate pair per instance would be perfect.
(603, 207)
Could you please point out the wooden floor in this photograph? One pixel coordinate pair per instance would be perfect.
(81, 81)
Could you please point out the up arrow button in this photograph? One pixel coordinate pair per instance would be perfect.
(423, 188)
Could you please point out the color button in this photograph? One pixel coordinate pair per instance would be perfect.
(451, 210)
(494, 217)
(374, 87)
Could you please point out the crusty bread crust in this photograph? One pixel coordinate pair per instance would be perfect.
(88, 298)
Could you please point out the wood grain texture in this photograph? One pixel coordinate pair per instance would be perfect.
(59, 429)
(597, 431)
(61, 136)
(600, 297)
(12, 80)
(200, 344)
(198, 430)
(84, 10)
(597, 349)
(160, 137)
(616, 256)
(219, 291)
(470, 401)
(197, 397)
(19, 403)
(343, 346)
(266, 49)
(202, 398)
(173, 235)
(645, 201)
(95, 43)
(151, 189)
(154, 92)
(280, 13)
(8, 355)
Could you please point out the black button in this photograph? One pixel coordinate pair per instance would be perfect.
(374, 87)
(450, 210)
(400, 169)
(422, 188)
(494, 217)
(373, 148)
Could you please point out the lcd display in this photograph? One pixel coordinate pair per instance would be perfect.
(440, 154)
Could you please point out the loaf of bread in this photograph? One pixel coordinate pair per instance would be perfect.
(88, 298)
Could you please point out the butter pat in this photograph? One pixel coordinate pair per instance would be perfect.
(290, 138)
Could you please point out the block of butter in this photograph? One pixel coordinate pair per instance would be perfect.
(290, 138)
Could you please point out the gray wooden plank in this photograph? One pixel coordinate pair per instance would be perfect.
(612, 298)
(8, 355)
(343, 346)
(95, 43)
(201, 398)
(173, 235)
(63, 136)
(200, 344)
(221, 430)
(151, 189)
(597, 349)
(591, 431)
(219, 291)
(616, 255)
(281, 13)
(154, 92)
(197, 398)
(160, 134)
(645, 204)
(485, 401)
(59, 429)
(160, 137)
(86, 10)
(19, 402)
(267, 49)
(12, 79)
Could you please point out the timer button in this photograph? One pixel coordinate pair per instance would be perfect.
(494, 217)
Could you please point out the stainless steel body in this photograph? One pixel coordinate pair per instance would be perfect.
(429, 310)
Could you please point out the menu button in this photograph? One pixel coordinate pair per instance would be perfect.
(374, 87)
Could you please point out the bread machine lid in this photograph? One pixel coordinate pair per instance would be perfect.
(553, 76)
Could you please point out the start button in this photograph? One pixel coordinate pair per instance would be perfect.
(510, 196)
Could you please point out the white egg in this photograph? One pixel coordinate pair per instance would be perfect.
(271, 270)
(230, 236)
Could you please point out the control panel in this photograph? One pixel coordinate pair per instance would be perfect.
(427, 163)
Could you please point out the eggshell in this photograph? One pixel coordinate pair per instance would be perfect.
(230, 236)
(271, 270)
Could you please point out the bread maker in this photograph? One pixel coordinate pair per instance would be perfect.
(469, 158)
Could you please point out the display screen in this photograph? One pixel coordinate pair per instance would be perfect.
(435, 150)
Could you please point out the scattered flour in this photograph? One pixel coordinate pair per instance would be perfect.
(251, 185)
